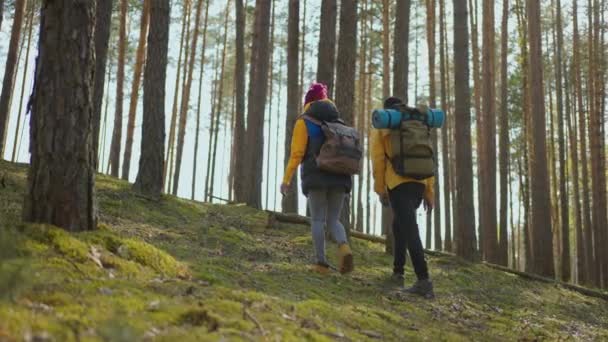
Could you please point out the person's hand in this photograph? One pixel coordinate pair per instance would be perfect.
(284, 189)
(429, 203)
(384, 200)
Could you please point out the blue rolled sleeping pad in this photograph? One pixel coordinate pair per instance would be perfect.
(391, 118)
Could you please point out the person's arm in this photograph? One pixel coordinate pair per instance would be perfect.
(299, 141)
(378, 156)
(429, 192)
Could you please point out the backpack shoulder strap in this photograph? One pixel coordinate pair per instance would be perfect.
(311, 119)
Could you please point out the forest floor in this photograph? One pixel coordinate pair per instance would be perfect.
(179, 270)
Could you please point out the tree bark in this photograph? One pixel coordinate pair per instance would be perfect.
(542, 244)
(345, 74)
(290, 201)
(10, 70)
(61, 178)
(466, 240)
(387, 213)
(239, 127)
(487, 173)
(183, 117)
(444, 131)
(401, 46)
(139, 63)
(150, 175)
(198, 107)
(103, 26)
(504, 146)
(326, 61)
(120, 79)
(258, 87)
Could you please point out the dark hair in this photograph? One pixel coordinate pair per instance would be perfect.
(390, 102)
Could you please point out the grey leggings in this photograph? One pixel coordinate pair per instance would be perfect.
(325, 207)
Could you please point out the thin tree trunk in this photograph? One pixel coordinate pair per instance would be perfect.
(220, 99)
(258, 87)
(504, 149)
(345, 74)
(168, 167)
(401, 47)
(58, 107)
(430, 35)
(466, 241)
(198, 106)
(185, 101)
(239, 126)
(290, 201)
(150, 175)
(278, 131)
(303, 51)
(10, 70)
(212, 125)
(139, 64)
(387, 213)
(30, 25)
(326, 61)
(444, 132)
(115, 146)
(103, 27)
(487, 179)
(586, 210)
(103, 134)
(1, 12)
(270, 98)
(542, 245)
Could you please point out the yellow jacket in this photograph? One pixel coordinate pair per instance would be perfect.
(385, 177)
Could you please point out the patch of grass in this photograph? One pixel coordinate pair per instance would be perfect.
(178, 270)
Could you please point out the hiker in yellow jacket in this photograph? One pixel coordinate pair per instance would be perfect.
(404, 196)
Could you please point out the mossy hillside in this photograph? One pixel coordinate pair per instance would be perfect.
(175, 269)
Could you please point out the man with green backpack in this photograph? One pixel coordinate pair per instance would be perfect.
(404, 168)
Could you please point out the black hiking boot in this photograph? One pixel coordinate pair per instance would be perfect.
(422, 288)
(395, 280)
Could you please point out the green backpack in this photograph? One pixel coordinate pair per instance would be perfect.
(412, 152)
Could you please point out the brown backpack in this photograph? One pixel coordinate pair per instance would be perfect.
(341, 152)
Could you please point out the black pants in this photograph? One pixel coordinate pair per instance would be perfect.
(405, 199)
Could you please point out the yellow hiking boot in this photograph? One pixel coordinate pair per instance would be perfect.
(321, 268)
(345, 258)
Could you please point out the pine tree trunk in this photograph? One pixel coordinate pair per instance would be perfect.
(115, 146)
(270, 114)
(563, 194)
(61, 178)
(10, 70)
(212, 125)
(430, 36)
(585, 274)
(150, 175)
(466, 240)
(345, 75)
(168, 167)
(504, 146)
(290, 201)
(542, 244)
(401, 47)
(487, 173)
(104, 129)
(139, 63)
(198, 107)
(258, 87)
(183, 117)
(239, 126)
(103, 26)
(220, 100)
(1, 12)
(326, 62)
(30, 26)
(444, 131)
(387, 213)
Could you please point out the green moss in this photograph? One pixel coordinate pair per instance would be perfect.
(178, 270)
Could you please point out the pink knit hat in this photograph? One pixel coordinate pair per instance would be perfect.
(316, 92)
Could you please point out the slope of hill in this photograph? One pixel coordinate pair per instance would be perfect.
(178, 270)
